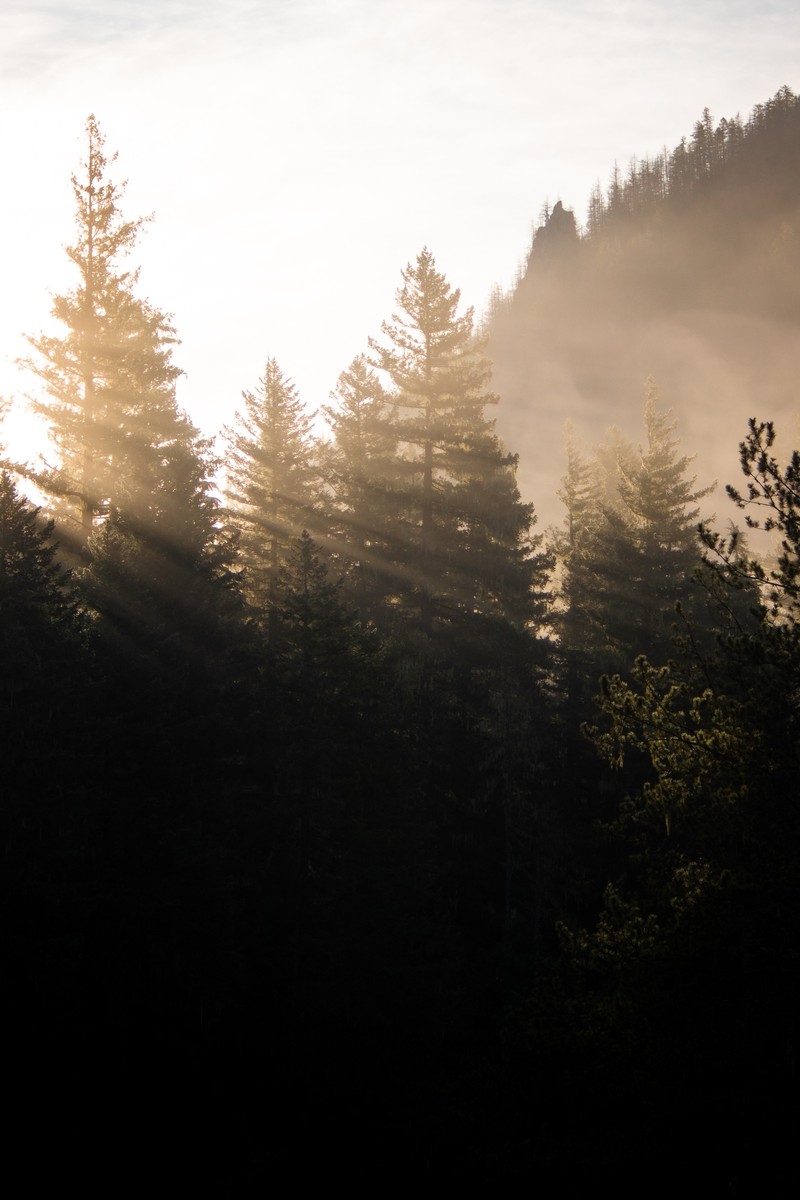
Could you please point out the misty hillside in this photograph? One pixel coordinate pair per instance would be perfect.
(687, 270)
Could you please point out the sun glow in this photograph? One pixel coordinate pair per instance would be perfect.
(23, 436)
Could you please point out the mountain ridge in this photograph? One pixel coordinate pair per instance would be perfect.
(688, 271)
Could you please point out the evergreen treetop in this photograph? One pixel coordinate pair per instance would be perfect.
(272, 481)
(108, 377)
(463, 531)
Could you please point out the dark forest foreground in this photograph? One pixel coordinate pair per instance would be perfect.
(356, 833)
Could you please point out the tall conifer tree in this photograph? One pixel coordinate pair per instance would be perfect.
(131, 479)
(272, 483)
(660, 550)
(575, 545)
(111, 365)
(363, 472)
(463, 532)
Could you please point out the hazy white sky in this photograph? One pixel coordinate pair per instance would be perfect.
(298, 153)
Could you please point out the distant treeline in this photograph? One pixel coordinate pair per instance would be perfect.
(712, 153)
(688, 270)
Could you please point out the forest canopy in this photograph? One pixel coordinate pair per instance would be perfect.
(471, 841)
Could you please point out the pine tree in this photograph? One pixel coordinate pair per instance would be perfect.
(42, 668)
(580, 631)
(772, 504)
(161, 570)
(132, 480)
(707, 746)
(34, 596)
(110, 371)
(363, 473)
(463, 545)
(318, 632)
(661, 501)
(468, 586)
(646, 548)
(272, 484)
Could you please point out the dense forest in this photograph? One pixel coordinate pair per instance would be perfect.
(354, 827)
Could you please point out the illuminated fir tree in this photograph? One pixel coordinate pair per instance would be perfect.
(271, 483)
(658, 551)
(462, 532)
(131, 475)
(363, 473)
(109, 379)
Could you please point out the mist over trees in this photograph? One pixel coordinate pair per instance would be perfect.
(686, 270)
(356, 827)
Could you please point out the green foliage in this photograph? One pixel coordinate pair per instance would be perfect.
(697, 749)
(775, 492)
(707, 749)
(623, 935)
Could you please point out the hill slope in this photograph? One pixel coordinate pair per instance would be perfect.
(689, 270)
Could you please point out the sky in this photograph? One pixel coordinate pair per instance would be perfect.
(297, 154)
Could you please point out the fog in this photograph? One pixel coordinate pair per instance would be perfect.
(701, 295)
(297, 156)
